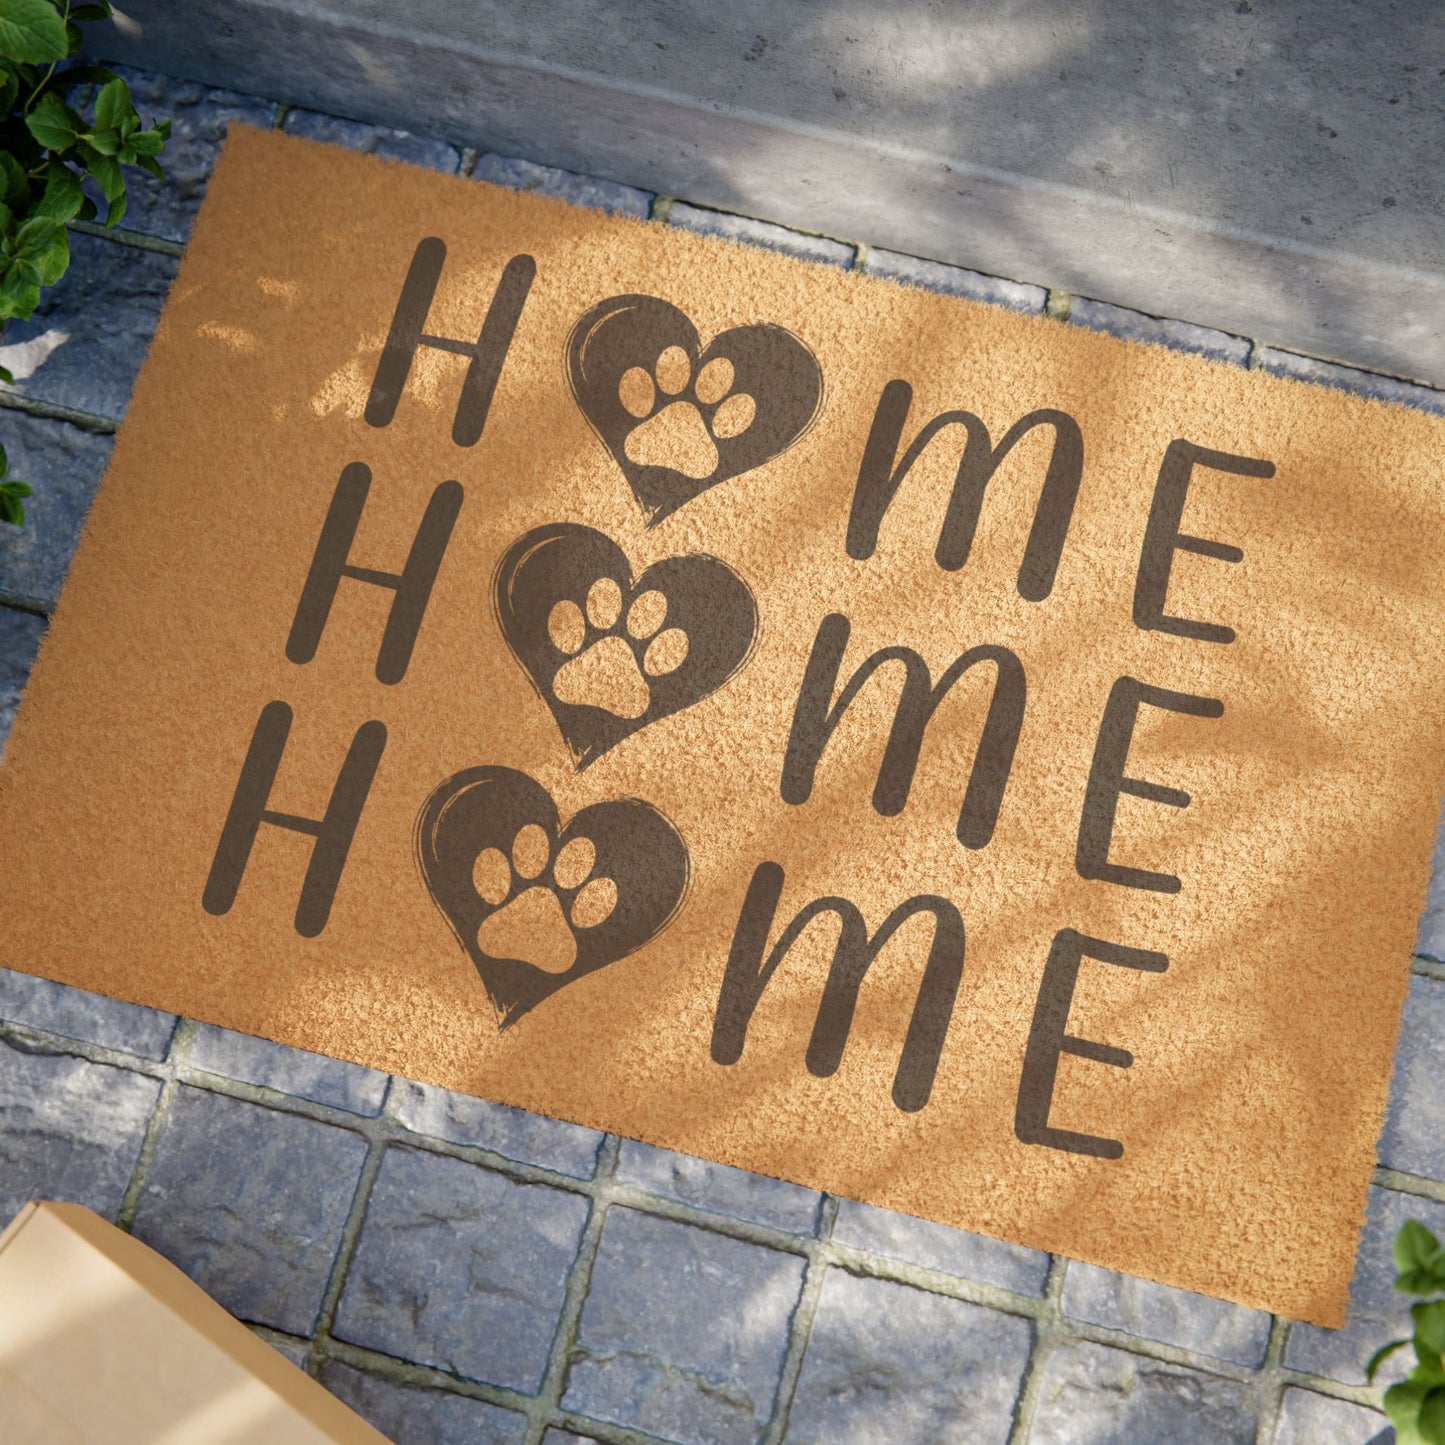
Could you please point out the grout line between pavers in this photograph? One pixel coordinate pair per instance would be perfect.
(800, 1327)
(1046, 1324)
(176, 1052)
(470, 155)
(1424, 967)
(660, 209)
(19, 602)
(1057, 304)
(346, 1245)
(548, 1402)
(49, 411)
(1404, 1183)
(1269, 1387)
(124, 236)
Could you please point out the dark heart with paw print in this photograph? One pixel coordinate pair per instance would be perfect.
(536, 905)
(609, 655)
(679, 418)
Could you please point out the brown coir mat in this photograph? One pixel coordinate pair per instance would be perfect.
(936, 755)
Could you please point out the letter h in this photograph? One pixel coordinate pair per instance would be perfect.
(412, 585)
(487, 352)
(333, 832)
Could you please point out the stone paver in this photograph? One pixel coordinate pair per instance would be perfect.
(1414, 1135)
(376, 140)
(250, 1203)
(85, 343)
(953, 280)
(1431, 938)
(1378, 1313)
(527, 1138)
(461, 1268)
(69, 1129)
(1306, 1418)
(1093, 1395)
(521, 175)
(886, 1362)
(289, 1071)
(1171, 1316)
(936, 1246)
(64, 464)
(761, 233)
(1346, 378)
(20, 634)
(199, 117)
(90, 1017)
(1179, 335)
(718, 1187)
(414, 1415)
(684, 1331)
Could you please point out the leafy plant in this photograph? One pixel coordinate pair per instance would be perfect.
(12, 493)
(46, 151)
(1416, 1406)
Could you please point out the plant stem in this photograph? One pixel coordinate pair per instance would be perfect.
(45, 79)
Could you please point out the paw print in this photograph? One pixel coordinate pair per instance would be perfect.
(682, 417)
(541, 902)
(609, 658)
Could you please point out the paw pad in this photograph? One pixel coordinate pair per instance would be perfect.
(611, 655)
(682, 417)
(541, 900)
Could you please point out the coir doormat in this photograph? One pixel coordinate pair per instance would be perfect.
(936, 755)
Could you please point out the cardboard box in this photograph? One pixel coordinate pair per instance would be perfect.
(103, 1342)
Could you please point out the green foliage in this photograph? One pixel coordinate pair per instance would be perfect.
(1416, 1406)
(46, 150)
(12, 494)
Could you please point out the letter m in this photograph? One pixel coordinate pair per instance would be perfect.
(881, 473)
(816, 718)
(747, 976)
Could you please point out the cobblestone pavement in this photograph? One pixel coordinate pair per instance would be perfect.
(459, 1271)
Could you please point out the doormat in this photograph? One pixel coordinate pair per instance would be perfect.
(941, 756)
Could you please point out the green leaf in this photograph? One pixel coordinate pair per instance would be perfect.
(1414, 1245)
(31, 30)
(52, 122)
(7, 377)
(7, 222)
(9, 89)
(113, 105)
(1380, 1356)
(151, 164)
(1430, 1326)
(87, 210)
(63, 196)
(35, 237)
(105, 171)
(14, 187)
(147, 142)
(73, 39)
(12, 510)
(56, 258)
(91, 12)
(116, 210)
(85, 75)
(1432, 1417)
(1402, 1405)
(107, 142)
(4, 460)
(20, 289)
(15, 488)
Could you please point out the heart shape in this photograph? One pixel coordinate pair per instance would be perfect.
(609, 655)
(489, 841)
(678, 419)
